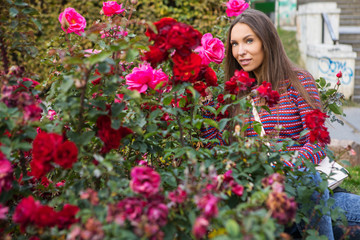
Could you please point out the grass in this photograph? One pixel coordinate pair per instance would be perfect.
(289, 41)
(352, 183)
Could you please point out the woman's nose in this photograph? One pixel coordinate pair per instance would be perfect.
(241, 50)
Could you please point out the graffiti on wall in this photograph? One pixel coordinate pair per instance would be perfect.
(287, 12)
(330, 68)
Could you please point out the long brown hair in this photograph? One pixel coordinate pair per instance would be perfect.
(276, 66)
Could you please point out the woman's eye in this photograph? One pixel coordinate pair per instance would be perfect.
(234, 44)
(249, 40)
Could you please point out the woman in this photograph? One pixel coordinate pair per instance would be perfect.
(254, 46)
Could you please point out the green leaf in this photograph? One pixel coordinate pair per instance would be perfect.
(24, 146)
(331, 91)
(222, 123)
(168, 178)
(29, 11)
(322, 82)
(167, 100)
(95, 58)
(81, 139)
(266, 108)
(232, 227)
(115, 124)
(182, 102)
(20, 3)
(335, 108)
(37, 23)
(211, 123)
(211, 109)
(13, 12)
(117, 108)
(66, 84)
(131, 55)
(257, 127)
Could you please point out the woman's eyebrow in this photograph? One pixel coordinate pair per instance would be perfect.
(247, 36)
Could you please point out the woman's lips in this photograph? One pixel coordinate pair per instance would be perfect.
(245, 62)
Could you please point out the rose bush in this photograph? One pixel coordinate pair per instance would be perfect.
(109, 146)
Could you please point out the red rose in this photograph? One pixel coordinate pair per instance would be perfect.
(39, 169)
(183, 38)
(320, 134)
(108, 135)
(162, 26)
(25, 212)
(315, 118)
(66, 154)
(97, 80)
(44, 146)
(186, 68)
(66, 217)
(200, 87)
(220, 98)
(155, 56)
(232, 87)
(271, 97)
(339, 74)
(45, 216)
(210, 77)
(243, 78)
(45, 181)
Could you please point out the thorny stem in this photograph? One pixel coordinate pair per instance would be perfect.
(82, 99)
(179, 123)
(4, 55)
(69, 45)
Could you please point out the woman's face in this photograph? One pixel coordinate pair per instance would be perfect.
(247, 48)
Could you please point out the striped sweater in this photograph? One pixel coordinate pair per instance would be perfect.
(289, 113)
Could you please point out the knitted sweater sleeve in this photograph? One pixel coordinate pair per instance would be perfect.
(310, 151)
(210, 132)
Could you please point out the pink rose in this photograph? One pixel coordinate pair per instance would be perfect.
(89, 52)
(211, 49)
(3, 211)
(72, 21)
(200, 227)
(51, 114)
(177, 196)
(145, 180)
(32, 112)
(236, 7)
(237, 188)
(6, 173)
(112, 7)
(157, 213)
(159, 77)
(144, 77)
(208, 204)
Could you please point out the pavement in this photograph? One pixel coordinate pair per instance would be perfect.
(347, 135)
(351, 128)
